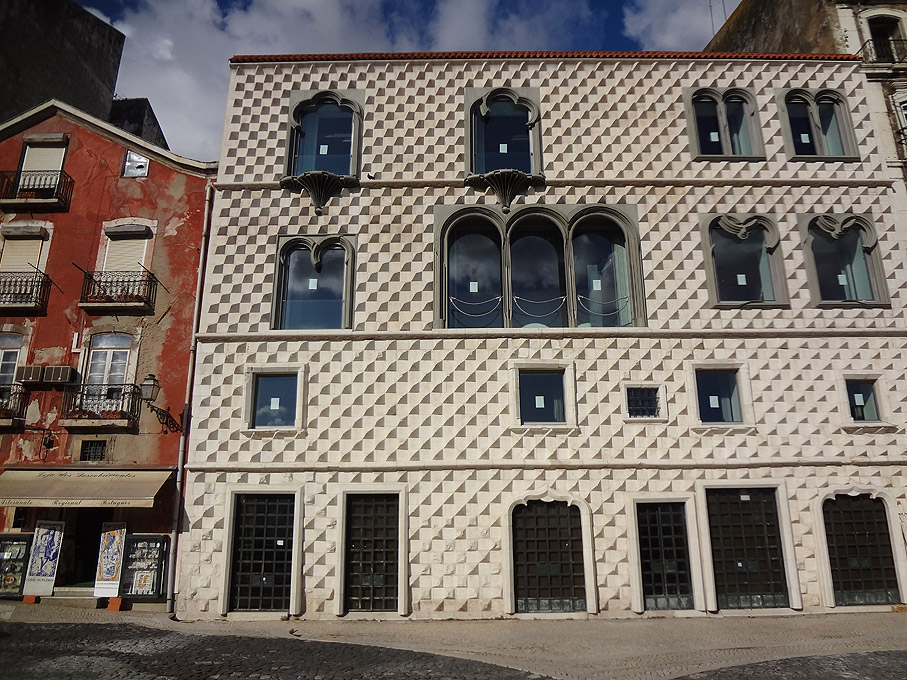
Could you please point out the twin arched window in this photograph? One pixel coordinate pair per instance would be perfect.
(314, 281)
(538, 272)
(724, 124)
(819, 123)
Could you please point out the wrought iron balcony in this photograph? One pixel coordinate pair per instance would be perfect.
(885, 51)
(12, 402)
(35, 190)
(119, 289)
(99, 405)
(24, 290)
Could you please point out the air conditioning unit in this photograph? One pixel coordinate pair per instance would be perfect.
(58, 374)
(29, 374)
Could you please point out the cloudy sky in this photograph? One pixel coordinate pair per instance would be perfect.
(176, 51)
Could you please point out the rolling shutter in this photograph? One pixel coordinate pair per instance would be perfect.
(125, 255)
(20, 255)
(47, 158)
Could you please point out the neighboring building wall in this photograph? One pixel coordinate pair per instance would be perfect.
(780, 26)
(136, 117)
(400, 405)
(55, 49)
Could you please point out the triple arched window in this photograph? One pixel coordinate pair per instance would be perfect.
(540, 269)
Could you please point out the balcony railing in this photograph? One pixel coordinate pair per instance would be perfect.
(119, 289)
(35, 189)
(885, 51)
(24, 290)
(12, 401)
(102, 402)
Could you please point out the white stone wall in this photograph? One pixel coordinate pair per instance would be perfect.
(395, 401)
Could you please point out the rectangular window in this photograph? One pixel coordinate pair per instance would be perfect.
(747, 556)
(862, 400)
(718, 396)
(274, 401)
(125, 255)
(371, 552)
(21, 255)
(41, 168)
(642, 402)
(135, 165)
(93, 450)
(542, 396)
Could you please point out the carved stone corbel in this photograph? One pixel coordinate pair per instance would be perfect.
(506, 184)
(320, 185)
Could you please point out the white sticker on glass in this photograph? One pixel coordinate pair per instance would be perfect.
(313, 284)
(842, 279)
(804, 138)
(713, 136)
(741, 279)
(713, 401)
(502, 148)
(744, 496)
(323, 150)
(540, 401)
(596, 284)
(473, 286)
(858, 400)
(275, 403)
(279, 541)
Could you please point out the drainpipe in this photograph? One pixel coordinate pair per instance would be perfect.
(187, 407)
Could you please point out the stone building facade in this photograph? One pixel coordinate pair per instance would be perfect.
(493, 334)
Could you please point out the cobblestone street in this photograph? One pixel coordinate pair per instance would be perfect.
(47, 641)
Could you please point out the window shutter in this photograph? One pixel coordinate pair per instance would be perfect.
(47, 158)
(20, 255)
(125, 255)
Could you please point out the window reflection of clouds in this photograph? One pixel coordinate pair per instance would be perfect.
(537, 277)
(474, 278)
(274, 391)
(321, 306)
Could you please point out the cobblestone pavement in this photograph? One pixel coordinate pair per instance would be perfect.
(844, 644)
(111, 651)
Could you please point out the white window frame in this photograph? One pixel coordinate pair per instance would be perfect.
(233, 491)
(899, 551)
(569, 371)
(590, 581)
(788, 551)
(250, 375)
(134, 333)
(403, 590)
(637, 598)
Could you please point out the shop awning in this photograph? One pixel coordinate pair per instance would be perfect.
(81, 488)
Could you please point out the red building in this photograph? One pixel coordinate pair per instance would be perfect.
(100, 240)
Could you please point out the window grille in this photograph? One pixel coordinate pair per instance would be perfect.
(642, 402)
(93, 450)
(665, 556)
(372, 561)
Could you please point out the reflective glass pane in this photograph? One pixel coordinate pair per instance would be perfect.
(800, 128)
(501, 138)
(474, 279)
(8, 360)
(10, 340)
(602, 282)
(741, 266)
(111, 340)
(737, 127)
(324, 140)
(542, 397)
(313, 294)
(841, 265)
(275, 401)
(718, 401)
(831, 128)
(862, 399)
(707, 126)
(537, 278)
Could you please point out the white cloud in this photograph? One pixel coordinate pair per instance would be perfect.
(674, 24)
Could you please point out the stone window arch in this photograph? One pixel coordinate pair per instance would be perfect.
(818, 125)
(723, 123)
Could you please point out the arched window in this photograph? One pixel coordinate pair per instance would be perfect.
(314, 284)
(725, 123)
(475, 293)
(326, 129)
(886, 39)
(503, 130)
(744, 266)
(818, 124)
(845, 260)
(556, 273)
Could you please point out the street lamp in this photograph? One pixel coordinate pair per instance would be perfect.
(150, 388)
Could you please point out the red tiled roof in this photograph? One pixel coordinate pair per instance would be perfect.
(416, 56)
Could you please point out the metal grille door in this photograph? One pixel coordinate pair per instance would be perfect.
(665, 556)
(262, 552)
(859, 550)
(746, 549)
(372, 544)
(548, 558)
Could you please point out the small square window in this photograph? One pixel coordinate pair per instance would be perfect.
(862, 400)
(642, 402)
(718, 400)
(93, 450)
(135, 165)
(542, 397)
(274, 402)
